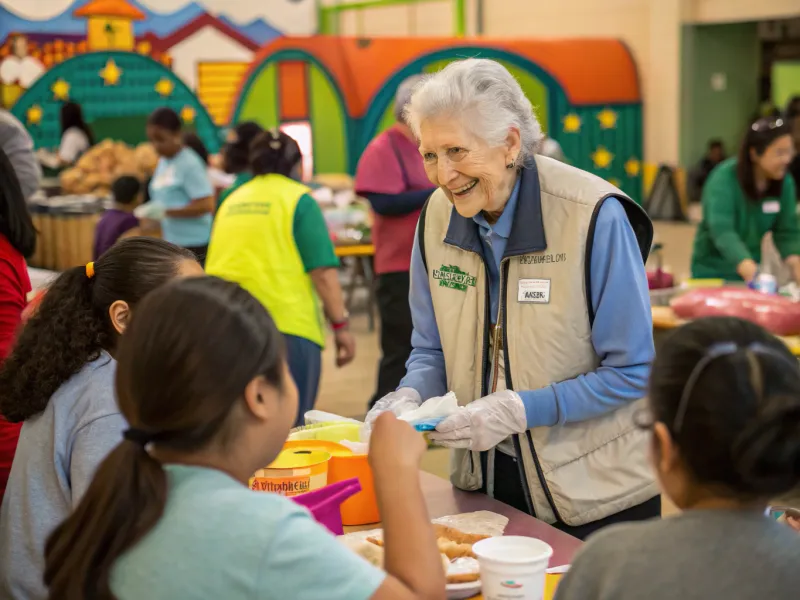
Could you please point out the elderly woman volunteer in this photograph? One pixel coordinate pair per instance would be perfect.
(529, 300)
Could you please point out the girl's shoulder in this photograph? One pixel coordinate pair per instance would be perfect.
(89, 394)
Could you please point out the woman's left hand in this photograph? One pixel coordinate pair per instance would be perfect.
(345, 347)
(482, 424)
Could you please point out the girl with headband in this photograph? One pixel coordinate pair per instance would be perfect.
(725, 425)
(58, 382)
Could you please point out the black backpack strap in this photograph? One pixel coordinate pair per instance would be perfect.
(642, 229)
(421, 232)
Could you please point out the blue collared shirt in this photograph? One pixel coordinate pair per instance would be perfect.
(621, 333)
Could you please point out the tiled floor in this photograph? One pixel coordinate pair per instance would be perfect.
(347, 391)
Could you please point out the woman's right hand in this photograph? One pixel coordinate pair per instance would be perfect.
(747, 269)
(398, 403)
(395, 446)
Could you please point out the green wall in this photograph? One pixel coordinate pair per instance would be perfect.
(785, 82)
(732, 49)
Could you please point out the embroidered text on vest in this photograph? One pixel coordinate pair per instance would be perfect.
(454, 278)
(539, 259)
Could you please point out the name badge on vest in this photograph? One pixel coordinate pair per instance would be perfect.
(534, 291)
(772, 207)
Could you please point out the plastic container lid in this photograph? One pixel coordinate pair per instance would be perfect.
(331, 448)
(330, 433)
(299, 458)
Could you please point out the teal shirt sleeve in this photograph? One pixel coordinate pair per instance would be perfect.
(719, 212)
(311, 235)
(305, 562)
(786, 232)
(194, 176)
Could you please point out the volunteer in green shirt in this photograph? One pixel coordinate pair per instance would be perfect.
(744, 198)
(270, 237)
(236, 156)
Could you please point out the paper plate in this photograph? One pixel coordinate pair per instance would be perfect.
(462, 591)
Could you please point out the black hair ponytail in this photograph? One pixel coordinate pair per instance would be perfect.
(169, 389)
(767, 453)
(15, 220)
(738, 426)
(273, 151)
(72, 325)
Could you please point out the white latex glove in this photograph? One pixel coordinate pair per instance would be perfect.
(482, 424)
(150, 210)
(398, 402)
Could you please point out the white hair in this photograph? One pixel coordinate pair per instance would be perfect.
(485, 95)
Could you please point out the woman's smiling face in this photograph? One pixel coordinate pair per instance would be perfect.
(473, 174)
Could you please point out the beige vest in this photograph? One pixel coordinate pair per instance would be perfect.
(578, 472)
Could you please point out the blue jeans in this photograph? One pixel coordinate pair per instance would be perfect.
(305, 364)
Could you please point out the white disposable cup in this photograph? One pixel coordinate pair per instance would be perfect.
(513, 567)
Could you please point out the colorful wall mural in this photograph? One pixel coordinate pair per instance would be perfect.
(586, 93)
(226, 61)
(208, 47)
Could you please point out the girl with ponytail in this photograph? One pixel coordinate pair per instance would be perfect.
(58, 382)
(203, 382)
(725, 421)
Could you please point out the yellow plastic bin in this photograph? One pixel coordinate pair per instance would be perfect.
(294, 472)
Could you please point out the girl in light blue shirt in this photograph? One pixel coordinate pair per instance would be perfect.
(169, 513)
(180, 186)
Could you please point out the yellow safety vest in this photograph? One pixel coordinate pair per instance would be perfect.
(252, 243)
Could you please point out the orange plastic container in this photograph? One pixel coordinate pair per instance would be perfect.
(361, 509)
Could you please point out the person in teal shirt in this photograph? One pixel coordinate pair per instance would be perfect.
(236, 156)
(203, 384)
(745, 198)
(180, 187)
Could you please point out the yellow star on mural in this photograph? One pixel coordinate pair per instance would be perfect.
(35, 114)
(614, 181)
(60, 90)
(633, 167)
(187, 114)
(164, 87)
(572, 123)
(607, 118)
(602, 158)
(111, 73)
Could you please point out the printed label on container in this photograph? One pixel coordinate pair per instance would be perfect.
(534, 291)
(291, 485)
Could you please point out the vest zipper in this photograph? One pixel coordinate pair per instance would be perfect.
(509, 385)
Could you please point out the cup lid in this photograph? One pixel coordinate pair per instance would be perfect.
(513, 549)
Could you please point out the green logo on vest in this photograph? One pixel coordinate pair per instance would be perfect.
(454, 278)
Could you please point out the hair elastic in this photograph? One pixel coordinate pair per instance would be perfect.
(138, 436)
(90, 270)
(712, 353)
